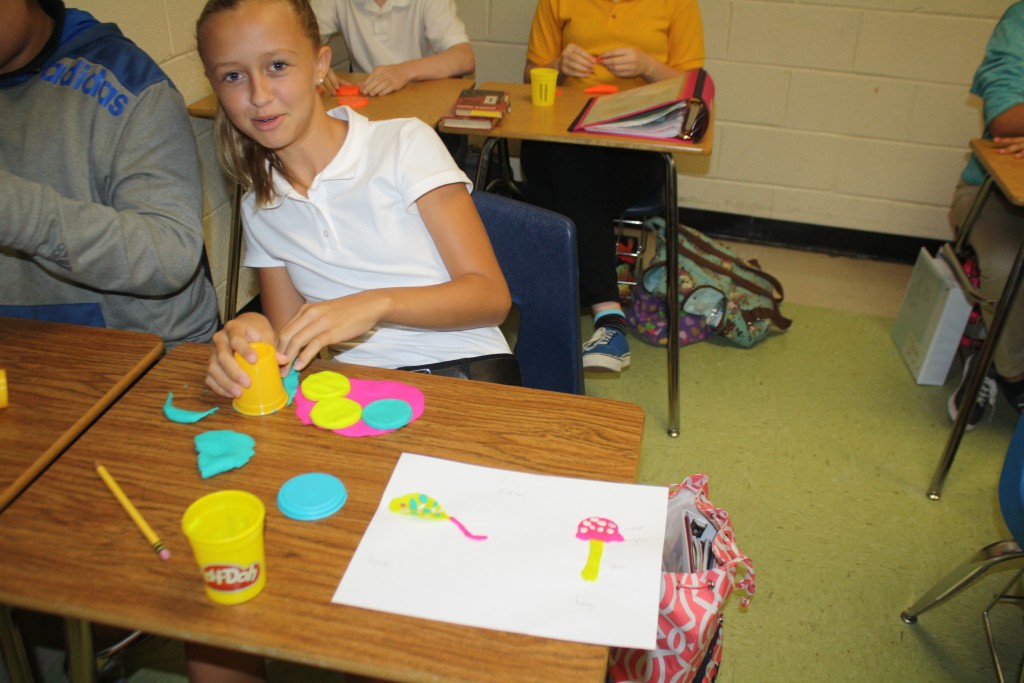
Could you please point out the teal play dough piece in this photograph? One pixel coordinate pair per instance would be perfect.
(291, 384)
(311, 496)
(220, 451)
(183, 416)
(387, 413)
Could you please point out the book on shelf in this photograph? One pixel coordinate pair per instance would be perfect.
(676, 107)
(476, 123)
(482, 103)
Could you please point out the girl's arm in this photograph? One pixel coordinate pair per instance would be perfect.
(476, 295)
(279, 301)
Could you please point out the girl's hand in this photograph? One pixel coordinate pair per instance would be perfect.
(1013, 146)
(626, 62)
(329, 322)
(224, 375)
(576, 62)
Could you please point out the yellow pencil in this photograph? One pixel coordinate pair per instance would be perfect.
(150, 535)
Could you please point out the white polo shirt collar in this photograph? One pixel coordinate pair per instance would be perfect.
(344, 164)
(372, 7)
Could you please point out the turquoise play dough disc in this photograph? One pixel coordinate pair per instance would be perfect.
(310, 496)
(387, 413)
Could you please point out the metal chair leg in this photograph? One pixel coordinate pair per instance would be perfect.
(13, 648)
(962, 576)
(1000, 597)
(81, 658)
(234, 256)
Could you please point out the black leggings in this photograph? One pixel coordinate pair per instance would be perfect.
(591, 186)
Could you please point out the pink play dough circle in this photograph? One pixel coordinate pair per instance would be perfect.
(365, 392)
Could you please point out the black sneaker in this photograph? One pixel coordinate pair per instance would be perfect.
(983, 404)
(1014, 393)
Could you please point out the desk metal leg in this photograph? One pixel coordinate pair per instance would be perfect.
(13, 648)
(81, 658)
(672, 291)
(234, 256)
(983, 361)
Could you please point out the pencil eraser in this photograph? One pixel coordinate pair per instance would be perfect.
(165, 554)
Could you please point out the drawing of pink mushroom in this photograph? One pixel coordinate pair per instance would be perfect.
(598, 531)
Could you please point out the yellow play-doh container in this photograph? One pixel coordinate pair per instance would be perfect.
(3, 388)
(225, 530)
(543, 82)
(266, 393)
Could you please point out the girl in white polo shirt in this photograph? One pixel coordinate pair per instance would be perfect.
(364, 234)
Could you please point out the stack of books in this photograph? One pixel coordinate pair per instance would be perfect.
(477, 110)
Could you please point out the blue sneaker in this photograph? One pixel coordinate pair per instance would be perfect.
(607, 350)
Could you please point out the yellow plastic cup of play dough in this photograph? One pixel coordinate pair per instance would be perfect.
(266, 393)
(543, 82)
(225, 530)
(3, 388)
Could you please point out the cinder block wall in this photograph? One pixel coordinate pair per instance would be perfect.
(841, 113)
(844, 113)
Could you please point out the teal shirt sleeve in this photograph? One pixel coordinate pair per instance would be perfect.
(999, 81)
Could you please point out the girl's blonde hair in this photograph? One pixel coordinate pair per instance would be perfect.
(245, 161)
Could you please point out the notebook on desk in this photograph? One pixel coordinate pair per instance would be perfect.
(675, 108)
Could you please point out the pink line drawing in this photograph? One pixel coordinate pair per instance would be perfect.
(422, 505)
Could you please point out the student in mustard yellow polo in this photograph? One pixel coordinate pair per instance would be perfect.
(627, 43)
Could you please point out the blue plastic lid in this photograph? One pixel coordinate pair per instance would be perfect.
(387, 413)
(310, 496)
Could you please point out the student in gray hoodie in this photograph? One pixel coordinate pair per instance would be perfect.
(100, 198)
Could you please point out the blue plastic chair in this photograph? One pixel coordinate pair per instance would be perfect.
(536, 249)
(1011, 504)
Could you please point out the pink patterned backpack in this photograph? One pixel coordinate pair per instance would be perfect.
(689, 645)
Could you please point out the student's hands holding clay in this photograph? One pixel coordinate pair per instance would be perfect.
(224, 375)
(321, 324)
(331, 81)
(576, 62)
(627, 62)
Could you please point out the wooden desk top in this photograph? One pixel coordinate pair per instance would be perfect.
(60, 378)
(66, 546)
(426, 100)
(1007, 171)
(551, 124)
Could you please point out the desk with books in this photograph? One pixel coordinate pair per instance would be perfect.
(551, 124)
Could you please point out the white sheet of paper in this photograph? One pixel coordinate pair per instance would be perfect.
(525, 577)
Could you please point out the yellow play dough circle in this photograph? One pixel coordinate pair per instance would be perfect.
(325, 384)
(335, 413)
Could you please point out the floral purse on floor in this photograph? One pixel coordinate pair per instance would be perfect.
(702, 566)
